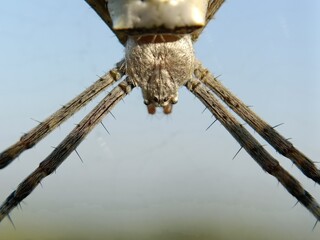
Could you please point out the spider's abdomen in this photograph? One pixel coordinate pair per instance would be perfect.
(160, 64)
(157, 16)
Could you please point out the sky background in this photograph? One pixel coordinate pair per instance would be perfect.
(159, 177)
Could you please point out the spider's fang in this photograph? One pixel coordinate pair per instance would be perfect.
(167, 109)
(151, 109)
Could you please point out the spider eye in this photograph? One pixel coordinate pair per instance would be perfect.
(146, 102)
(156, 99)
(165, 99)
(174, 100)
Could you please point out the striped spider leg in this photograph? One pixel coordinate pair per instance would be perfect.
(268, 163)
(31, 138)
(66, 147)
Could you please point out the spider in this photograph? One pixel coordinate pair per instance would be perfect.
(198, 81)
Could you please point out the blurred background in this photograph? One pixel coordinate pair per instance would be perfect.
(159, 177)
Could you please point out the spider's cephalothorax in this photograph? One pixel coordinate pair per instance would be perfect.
(159, 57)
(159, 68)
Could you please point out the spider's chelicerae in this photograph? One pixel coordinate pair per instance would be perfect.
(159, 59)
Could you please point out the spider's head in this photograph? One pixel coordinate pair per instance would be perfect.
(159, 65)
(163, 101)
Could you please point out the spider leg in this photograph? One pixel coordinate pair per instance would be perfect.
(213, 7)
(65, 148)
(266, 131)
(36, 134)
(252, 146)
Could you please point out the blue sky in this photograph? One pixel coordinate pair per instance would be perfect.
(159, 169)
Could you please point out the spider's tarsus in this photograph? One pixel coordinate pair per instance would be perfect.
(78, 155)
(105, 128)
(277, 125)
(237, 153)
(211, 124)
